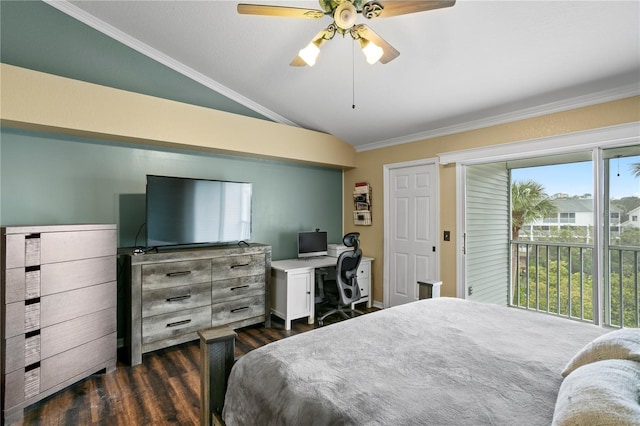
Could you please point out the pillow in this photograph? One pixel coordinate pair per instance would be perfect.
(600, 393)
(619, 344)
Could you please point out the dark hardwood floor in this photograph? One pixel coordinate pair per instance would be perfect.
(164, 389)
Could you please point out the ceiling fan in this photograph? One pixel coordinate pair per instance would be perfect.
(344, 14)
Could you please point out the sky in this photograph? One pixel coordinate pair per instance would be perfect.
(576, 178)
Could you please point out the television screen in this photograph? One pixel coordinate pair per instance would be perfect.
(183, 211)
(312, 244)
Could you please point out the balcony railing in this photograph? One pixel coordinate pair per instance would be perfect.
(621, 299)
(557, 278)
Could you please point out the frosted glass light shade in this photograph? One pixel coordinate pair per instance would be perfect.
(310, 53)
(372, 51)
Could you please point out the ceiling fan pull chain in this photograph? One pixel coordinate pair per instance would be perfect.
(353, 76)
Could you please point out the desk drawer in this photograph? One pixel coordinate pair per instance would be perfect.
(237, 310)
(156, 302)
(172, 324)
(165, 275)
(223, 268)
(364, 270)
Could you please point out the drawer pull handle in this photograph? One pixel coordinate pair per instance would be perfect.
(239, 287)
(179, 298)
(177, 323)
(178, 274)
(242, 265)
(244, 308)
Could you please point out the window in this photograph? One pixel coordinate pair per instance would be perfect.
(567, 218)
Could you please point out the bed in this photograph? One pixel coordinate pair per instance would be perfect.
(441, 361)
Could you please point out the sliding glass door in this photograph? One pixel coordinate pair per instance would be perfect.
(558, 234)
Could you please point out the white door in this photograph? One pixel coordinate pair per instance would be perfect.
(411, 230)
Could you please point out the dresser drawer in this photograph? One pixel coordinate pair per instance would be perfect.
(175, 323)
(171, 274)
(25, 383)
(223, 268)
(59, 277)
(24, 350)
(65, 246)
(156, 302)
(22, 284)
(76, 303)
(236, 288)
(91, 355)
(237, 310)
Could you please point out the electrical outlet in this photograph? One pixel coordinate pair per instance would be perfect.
(447, 235)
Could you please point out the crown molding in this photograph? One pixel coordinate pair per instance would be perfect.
(595, 98)
(129, 41)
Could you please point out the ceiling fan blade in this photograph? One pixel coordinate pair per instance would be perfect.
(390, 52)
(400, 7)
(288, 12)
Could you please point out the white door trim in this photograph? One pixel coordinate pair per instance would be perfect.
(387, 226)
(461, 267)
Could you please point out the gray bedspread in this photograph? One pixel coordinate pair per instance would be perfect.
(441, 361)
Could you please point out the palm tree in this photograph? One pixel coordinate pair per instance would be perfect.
(635, 169)
(529, 202)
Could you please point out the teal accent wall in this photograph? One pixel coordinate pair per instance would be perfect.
(56, 179)
(37, 36)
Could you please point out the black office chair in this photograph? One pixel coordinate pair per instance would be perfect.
(344, 290)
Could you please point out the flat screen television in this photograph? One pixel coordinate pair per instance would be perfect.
(184, 211)
(312, 244)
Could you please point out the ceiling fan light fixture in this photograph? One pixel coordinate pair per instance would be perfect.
(371, 51)
(310, 53)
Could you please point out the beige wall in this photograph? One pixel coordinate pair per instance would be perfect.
(40, 101)
(370, 169)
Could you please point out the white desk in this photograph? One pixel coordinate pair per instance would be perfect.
(293, 286)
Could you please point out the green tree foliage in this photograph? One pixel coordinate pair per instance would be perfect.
(558, 279)
(529, 203)
(552, 273)
(547, 274)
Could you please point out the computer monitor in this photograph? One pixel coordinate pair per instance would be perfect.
(313, 243)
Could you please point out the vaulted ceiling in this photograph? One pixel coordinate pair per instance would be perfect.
(467, 66)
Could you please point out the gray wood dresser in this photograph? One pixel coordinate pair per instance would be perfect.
(175, 293)
(58, 304)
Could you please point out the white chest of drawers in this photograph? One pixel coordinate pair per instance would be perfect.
(58, 300)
